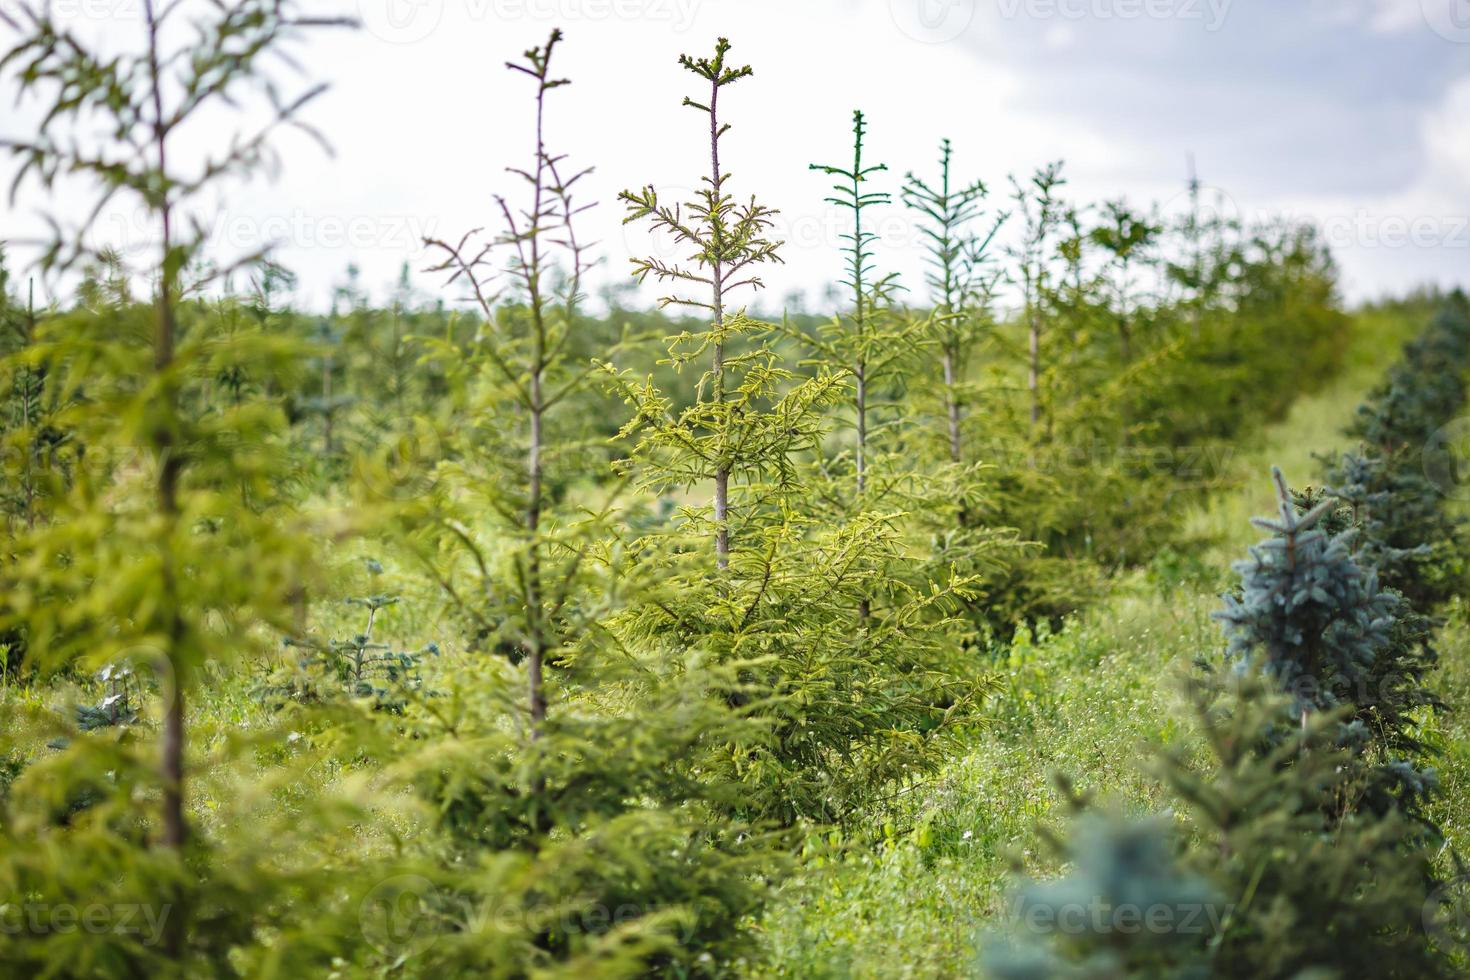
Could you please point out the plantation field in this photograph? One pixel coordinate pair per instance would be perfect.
(1090, 605)
(1084, 701)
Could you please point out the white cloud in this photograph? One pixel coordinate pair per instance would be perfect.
(424, 129)
(1398, 16)
(1447, 139)
(1060, 36)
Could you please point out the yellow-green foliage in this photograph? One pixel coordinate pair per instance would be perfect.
(506, 638)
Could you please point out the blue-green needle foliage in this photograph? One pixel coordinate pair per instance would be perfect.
(1398, 682)
(1266, 811)
(1128, 907)
(1316, 617)
(670, 643)
(1311, 613)
(360, 666)
(1424, 389)
(1397, 479)
(1239, 893)
(1389, 501)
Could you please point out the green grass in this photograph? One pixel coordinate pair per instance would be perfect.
(916, 892)
(915, 896)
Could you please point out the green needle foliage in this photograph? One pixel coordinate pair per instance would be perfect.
(727, 244)
(867, 343)
(963, 505)
(699, 602)
(847, 710)
(1040, 211)
(962, 277)
(162, 552)
(524, 350)
(875, 344)
(36, 453)
(557, 773)
(1126, 237)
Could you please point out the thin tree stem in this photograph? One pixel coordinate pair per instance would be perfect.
(717, 301)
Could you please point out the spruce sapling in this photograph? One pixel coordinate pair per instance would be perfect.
(859, 345)
(569, 775)
(526, 362)
(960, 277)
(1040, 210)
(727, 244)
(1316, 617)
(1126, 236)
(120, 124)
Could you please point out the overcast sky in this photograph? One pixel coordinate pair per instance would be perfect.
(1350, 112)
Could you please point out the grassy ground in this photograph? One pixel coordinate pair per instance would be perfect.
(915, 894)
(1084, 702)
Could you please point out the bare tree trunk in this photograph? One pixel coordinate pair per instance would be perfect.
(1033, 378)
(1125, 325)
(536, 408)
(170, 466)
(860, 369)
(860, 374)
(533, 562)
(717, 276)
(167, 494)
(1198, 266)
(952, 406)
(535, 680)
(26, 409)
(327, 403)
